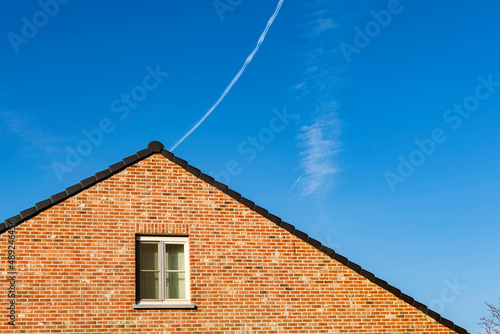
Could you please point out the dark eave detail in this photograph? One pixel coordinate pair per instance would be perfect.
(157, 147)
(327, 250)
(367, 274)
(246, 202)
(220, 186)
(261, 211)
(395, 291)
(43, 204)
(233, 194)
(434, 315)
(206, 178)
(315, 243)
(300, 235)
(103, 175)
(193, 170)
(275, 219)
(341, 259)
(289, 227)
(115, 168)
(73, 190)
(383, 284)
(59, 197)
(88, 182)
(28, 213)
(355, 267)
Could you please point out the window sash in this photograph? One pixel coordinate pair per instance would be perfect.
(165, 287)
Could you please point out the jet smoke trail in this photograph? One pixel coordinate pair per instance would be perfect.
(294, 184)
(247, 61)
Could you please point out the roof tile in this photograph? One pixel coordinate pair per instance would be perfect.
(144, 153)
(28, 213)
(102, 175)
(180, 162)
(315, 243)
(301, 235)
(380, 282)
(3, 227)
(434, 315)
(290, 228)
(354, 266)
(233, 194)
(260, 210)
(44, 204)
(396, 292)
(341, 259)
(208, 179)
(195, 171)
(447, 323)
(59, 197)
(220, 186)
(88, 182)
(247, 202)
(367, 274)
(129, 161)
(420, 306)
(327, 250)
(115, 168)
(167, 154)
(407, 298)
(155, 146)
(273, 218)
(73, 190)
(14, 221)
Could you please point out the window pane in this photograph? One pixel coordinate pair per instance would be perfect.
(176, 285)
(174, 257)
(149, 287)
(148, 256)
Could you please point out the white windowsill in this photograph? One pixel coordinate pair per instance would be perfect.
(142, 306)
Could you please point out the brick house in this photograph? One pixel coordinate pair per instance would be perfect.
(154, 245)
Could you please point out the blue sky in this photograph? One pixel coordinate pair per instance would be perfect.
(372, 126)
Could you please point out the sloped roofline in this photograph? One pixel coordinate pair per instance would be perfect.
(156, 147)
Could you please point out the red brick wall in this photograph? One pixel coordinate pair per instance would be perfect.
(76, 267)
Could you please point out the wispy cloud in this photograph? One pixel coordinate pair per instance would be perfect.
(34, 137)
(323, 24)
(321, 77)
(320, 145)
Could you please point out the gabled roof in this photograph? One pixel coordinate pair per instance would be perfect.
(156, 147)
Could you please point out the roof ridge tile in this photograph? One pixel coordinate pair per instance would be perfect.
(155, 146)
(130, 160)
(88, 182)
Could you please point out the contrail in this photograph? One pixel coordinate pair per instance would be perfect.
(247, 61)
(294, 184)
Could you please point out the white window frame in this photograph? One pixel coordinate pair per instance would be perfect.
(166, 303)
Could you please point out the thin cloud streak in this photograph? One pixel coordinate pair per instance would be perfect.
(31, 134)
(319, 141)
(320, 146)
(294, 184)
(247, 61)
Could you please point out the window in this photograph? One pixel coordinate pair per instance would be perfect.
(162, 272)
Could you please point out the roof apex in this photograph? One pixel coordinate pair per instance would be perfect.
(156, 146)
